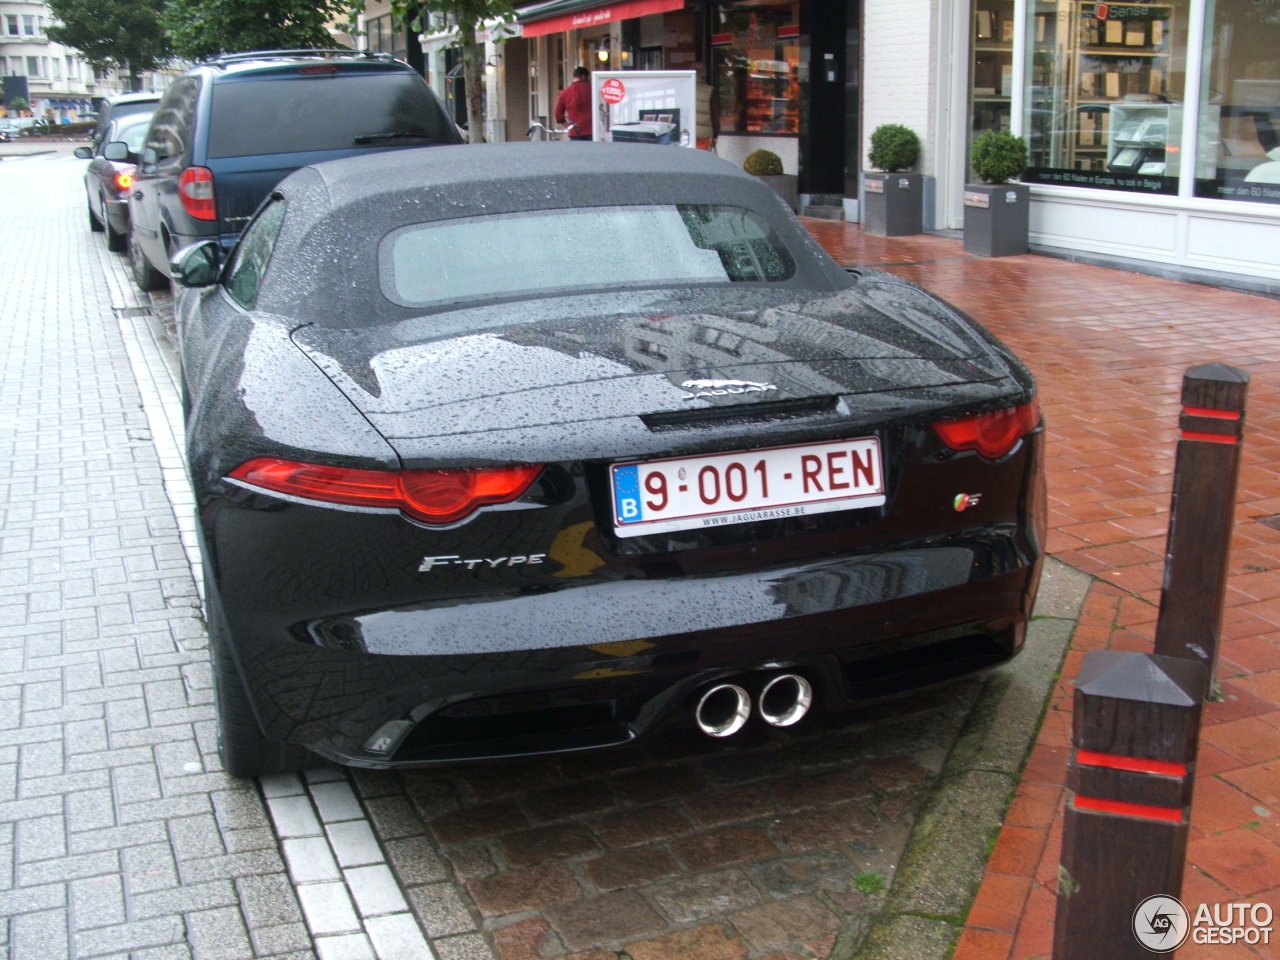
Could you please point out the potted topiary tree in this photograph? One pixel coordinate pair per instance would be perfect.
(767, 165)
(997, 212)
(893, 200)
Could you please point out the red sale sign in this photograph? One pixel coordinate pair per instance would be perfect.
(612, 90)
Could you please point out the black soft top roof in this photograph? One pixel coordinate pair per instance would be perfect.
(576, 172)
(338, 211)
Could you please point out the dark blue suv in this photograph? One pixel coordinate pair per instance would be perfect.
(229, 130)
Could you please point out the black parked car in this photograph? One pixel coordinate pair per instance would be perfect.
(520, 448)
(109, 177)
(227, 131)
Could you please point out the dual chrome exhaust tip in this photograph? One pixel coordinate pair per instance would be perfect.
(725, 708)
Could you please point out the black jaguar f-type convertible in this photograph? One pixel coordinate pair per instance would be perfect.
(517, 448)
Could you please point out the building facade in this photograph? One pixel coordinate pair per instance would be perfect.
(54, 82)
(1151, 126)
(777, 67)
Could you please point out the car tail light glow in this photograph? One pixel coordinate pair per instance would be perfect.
(195, 186)
(992, 434)
(124, 180)
(432, 496)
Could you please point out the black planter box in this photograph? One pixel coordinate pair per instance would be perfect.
(894, 203)
(996, 218)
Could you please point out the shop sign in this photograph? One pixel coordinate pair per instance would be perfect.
(1123, 11)
(973, 198)
(873, 186)
(613, 91)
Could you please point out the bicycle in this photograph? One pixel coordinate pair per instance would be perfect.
(539, 132)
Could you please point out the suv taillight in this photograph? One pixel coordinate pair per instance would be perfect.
(195, 186)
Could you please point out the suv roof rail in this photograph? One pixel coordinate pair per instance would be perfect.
(316, 52)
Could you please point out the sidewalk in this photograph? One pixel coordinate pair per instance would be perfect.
(1109, 349)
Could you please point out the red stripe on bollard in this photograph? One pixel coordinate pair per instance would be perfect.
(1143, 811)
(1211, 413)
(1114, 761)
(1210, 437)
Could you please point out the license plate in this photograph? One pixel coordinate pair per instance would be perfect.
(687, 493)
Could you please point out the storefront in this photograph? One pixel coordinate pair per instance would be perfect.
(776, 66)
(1152, 127)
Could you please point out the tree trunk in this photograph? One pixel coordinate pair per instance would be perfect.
(473, 77)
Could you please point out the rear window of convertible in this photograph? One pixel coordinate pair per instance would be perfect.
(562, 251)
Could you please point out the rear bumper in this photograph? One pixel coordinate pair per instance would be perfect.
(117, 212)
(352, 643)
(383, 710)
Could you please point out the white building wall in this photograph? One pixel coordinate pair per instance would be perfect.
(899, 74)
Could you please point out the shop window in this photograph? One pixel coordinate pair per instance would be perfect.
(1104, 106)
(1240, 103)
(756, 59)
(991, 69)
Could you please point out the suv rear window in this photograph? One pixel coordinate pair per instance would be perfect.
(288, 114)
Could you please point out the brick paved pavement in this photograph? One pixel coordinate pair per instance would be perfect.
(117, 840)
(1109, 349)
(119, 835)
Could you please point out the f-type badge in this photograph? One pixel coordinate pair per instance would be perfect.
(699, 389)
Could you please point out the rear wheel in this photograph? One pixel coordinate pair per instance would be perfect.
(94, 223)
(146, 276)
(245, 752)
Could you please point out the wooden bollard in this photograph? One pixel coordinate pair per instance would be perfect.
(1135, 726)
(1201, 514)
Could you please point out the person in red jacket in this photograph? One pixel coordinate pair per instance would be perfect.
(574, 105)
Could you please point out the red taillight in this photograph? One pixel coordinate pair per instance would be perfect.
(432, 496)
(195, 186)
(124, 180)
(991, 434)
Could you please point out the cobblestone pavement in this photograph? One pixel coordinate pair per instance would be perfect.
(120, 837)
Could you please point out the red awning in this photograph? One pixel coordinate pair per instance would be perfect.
(596, 15)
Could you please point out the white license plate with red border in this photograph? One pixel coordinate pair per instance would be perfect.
(686, 493)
